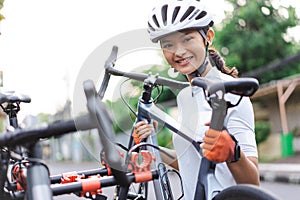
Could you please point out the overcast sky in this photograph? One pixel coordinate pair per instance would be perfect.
(44, 43)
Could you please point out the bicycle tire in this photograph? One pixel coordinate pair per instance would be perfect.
(245, 192)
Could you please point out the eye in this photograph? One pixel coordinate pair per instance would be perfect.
(166, 45)
(187, 39)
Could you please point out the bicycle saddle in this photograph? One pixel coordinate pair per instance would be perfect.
(13, 97)
(238, 86)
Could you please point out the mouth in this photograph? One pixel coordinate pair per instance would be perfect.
(184, 61)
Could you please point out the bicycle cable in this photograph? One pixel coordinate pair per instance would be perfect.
(152, 145)
(127, 104)
(123, 98)
(179, 176)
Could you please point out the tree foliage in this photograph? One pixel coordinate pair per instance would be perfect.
(255, 34)
(1, 6)
(262, 131)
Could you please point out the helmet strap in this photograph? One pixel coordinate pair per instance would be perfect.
(200, 70)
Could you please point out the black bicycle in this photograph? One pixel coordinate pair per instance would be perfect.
(10, 104)
(21, 152)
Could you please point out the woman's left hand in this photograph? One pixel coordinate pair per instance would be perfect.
(218, 146)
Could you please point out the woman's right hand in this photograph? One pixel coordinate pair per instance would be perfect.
(142, 130)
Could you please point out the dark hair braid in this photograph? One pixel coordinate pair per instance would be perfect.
(217, 60)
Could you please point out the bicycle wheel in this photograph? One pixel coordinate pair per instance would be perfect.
(245, 192)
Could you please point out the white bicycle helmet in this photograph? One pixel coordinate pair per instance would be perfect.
(177, 15)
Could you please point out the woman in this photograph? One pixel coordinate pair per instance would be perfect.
(183, 29)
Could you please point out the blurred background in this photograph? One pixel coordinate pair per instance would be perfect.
(43, 45)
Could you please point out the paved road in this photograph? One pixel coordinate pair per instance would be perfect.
(284, 191)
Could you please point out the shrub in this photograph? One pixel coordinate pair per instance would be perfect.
(262, 131)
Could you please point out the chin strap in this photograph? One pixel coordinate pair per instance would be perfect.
(202, 68)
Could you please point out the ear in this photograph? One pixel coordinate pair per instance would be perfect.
(210, 36)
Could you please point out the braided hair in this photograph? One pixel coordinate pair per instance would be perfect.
(217, 60)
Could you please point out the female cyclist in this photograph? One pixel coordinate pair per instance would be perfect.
(184, 31)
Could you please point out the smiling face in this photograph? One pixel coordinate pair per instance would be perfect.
(185, 51)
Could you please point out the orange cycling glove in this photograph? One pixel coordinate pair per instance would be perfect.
(141, 131)
(136, 137)
(220, 146)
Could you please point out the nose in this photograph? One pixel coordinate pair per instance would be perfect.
(179, 50)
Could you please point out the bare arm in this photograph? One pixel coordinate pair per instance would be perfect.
(245, 171)
(173, 162)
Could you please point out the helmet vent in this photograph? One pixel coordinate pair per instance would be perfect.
(201, 15)
(175, 13)
(187, 13)
(164, 13)
(150, 27)
(155, 20)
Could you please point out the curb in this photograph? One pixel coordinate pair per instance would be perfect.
(282, 172)
(280, 178)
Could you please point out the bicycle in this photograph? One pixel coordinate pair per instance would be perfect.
(117, 174)
(32, 179)
(30, 175)
(241, 87)
(10, 104)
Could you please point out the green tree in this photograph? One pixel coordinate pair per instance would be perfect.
(1, 6)
(262, 131)
(122, 117)
(44, 118)
(255, 34)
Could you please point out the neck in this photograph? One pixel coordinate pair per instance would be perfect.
(208, 67)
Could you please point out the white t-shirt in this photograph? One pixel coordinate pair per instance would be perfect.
(194, 112)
